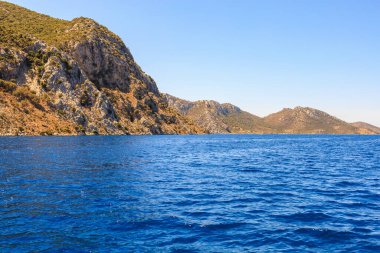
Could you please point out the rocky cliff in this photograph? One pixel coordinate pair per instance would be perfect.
(75, 77)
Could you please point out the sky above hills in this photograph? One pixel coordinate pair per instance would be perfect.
(259, 55)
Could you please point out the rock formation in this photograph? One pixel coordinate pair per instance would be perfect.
(75, 77)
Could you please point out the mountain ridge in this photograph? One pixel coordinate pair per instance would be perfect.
(218, 118)
(297, 120)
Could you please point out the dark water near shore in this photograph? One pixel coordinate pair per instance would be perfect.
(213, 193)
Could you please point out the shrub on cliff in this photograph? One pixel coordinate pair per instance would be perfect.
(7, 86)
(24, 93)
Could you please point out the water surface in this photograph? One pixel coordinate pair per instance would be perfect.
(211, 193)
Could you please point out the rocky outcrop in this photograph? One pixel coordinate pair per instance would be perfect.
(77, 72)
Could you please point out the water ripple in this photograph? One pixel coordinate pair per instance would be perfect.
(213, 193)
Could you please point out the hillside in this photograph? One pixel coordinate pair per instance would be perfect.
(312, 121)
(227, 118)
(219, 118)
(367, 126)
(75, 77)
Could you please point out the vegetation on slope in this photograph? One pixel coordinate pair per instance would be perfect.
(77, 71)
(19, 26)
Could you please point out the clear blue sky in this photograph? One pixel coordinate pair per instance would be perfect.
(259, 55)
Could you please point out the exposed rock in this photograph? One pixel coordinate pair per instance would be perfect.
(81, 74)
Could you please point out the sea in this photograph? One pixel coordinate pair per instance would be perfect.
(190, 193)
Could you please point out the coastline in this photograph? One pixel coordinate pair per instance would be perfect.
(196, 134)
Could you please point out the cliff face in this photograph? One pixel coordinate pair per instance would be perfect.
(75, 77)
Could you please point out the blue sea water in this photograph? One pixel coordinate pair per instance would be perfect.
(208, 193)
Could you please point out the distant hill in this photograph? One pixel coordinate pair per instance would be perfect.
(309, 120)
(367, 126)
(219, 118)
(227, 118)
